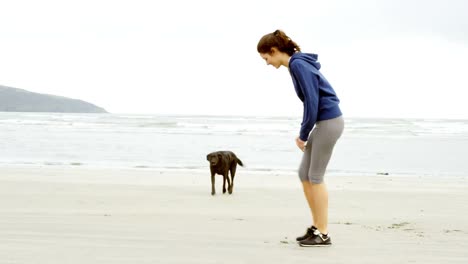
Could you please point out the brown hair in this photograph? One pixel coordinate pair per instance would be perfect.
(279, 40)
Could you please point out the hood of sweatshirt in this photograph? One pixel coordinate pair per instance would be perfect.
(308, 57)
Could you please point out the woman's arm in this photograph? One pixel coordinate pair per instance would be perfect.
(307, 82)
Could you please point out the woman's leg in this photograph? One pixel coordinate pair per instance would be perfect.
(304, 176)
(324, 138)
(308, 195)
(318, 194)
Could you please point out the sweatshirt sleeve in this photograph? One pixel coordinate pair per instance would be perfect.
(306, 82)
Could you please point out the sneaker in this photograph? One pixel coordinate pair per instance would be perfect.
(316, 240)
(310, 231)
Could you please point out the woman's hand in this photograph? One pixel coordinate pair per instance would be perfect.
(301, 144)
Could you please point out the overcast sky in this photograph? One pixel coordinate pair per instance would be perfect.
(385, 58)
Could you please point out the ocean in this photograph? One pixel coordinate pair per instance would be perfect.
(369, 146)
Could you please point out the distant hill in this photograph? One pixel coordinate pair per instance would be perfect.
(19, 100)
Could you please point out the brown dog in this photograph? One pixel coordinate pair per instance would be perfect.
(223, 162)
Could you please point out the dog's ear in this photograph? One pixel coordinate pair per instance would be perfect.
(208, 157)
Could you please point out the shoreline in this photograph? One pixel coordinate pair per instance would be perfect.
(82, 215)
(205, 169)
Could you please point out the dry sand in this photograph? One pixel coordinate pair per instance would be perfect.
(79, 215)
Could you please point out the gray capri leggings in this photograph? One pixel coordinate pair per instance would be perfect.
(319, 149)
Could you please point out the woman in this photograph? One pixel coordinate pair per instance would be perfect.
(321, 126)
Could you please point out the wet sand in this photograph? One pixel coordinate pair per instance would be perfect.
(80, 215)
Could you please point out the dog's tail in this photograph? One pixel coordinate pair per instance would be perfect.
(239, 162)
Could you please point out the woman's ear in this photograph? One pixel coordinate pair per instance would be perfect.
(273, 50)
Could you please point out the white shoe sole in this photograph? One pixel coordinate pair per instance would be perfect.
(318, 245)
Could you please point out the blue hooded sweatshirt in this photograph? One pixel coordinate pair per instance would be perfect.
(319, 98)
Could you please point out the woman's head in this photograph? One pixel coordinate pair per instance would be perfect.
(275, 47)
(279, 40)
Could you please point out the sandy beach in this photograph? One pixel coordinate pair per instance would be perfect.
(82, 215)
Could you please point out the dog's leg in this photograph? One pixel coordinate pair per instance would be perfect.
(233, 173)
(224, 183)
(213, 192)
(229, 182)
